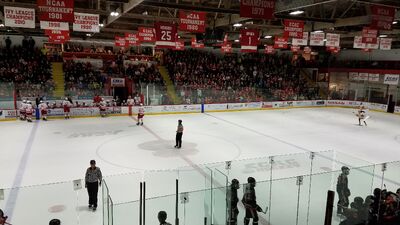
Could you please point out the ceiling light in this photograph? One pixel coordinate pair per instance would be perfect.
(268, 37)
(237, 40)
(297, 12)
(89, 35)
(237, 25)
(395, 22)
(382, 35)
(145, 13)
(318, 31)
(114, 13)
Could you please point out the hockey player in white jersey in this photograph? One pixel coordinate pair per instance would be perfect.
(140, 115)
(362, 115)
(103, 108)
(22, 110)
(67, 106)
(29, 111)
(43, 110)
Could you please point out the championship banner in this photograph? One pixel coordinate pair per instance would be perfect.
(293, 28)
(84, 22)
(260, 9)
(146, 34)
(166, 35)
(56, 10)
(179, 46)
(195, 44)
(269, 49)
(249, 39)
(382, 17)
(332, 40)
(48, 25)
(301, 42)
(369, 35)
(353, 76)
(19, 17)
(131, 39)
(295, 49)
(385, 44)
(358, 42)
(391, 79)
(58, 36)
(120, 41)
(317, 39)
(363, 76)
(281, 42)
(192, 21)
(373, 77)
(226, 48)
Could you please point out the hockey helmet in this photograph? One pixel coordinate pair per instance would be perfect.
(344, 168)
(235, 181)
(24, 101)
(251, 180)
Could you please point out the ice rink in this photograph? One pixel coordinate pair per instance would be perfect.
(59, 151)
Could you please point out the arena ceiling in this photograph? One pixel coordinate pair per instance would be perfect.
(346, 17)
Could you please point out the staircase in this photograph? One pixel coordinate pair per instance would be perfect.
(58, 77)
(170, 86)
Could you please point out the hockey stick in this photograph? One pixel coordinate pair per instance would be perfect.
(266, 210)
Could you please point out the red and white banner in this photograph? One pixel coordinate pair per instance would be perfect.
(317, 39)
(281, 42)
(179, 46)
(293, 28)
(56, 10)
(358, 42)
(363, 76)
(332, 40)
(307, 50)
(192, 21)
(301, 41)
(57, 36)
(19, 17)
(382, 17)
(249, 40)
(369, 35)
(353, 76)
(131, 39)
(226, 48)
(373, 77)
(385, 44)
(48, 25)
(120, 41)
(146, 34)
(84, 22)
(269, 49)
(259, 9)
(295, 49)
(166, 35)
(195, 44)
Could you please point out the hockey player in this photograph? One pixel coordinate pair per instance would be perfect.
(250, 203)
(232, 201)
(342, 188)
(130, 101)
(362, 115)
(67, 108)
(22, 110)
(43, 110)
(140, 115)
(162, 217)
(103, 108)
(29, 111)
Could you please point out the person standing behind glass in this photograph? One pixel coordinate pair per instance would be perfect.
(179, 133)
(93, 179)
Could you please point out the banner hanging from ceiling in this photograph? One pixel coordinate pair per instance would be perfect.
(249, 40)
(281, 42)
(257, 9)
(84, 22)
(57, 36)
(269, 49)
(332, 40)
(385, 44)
(56, 10)
(317, 39)
(301, 42)
(369, 35)
(19, 17)
(179, 45)
(293, 28)
(166, 35)
(192, 21)
(48, 25)
(131, 39)
(146, 34)
(226, 48)
(120, 41)
(195, 44)
(382, 17)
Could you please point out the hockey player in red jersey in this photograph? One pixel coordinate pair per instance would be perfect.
(43, 110)
(103, 108)
(140, 115)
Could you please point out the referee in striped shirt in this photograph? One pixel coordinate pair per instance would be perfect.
(93, 179)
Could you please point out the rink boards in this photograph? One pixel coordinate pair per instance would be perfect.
(201, 108)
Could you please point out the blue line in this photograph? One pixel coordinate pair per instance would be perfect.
(13, 196)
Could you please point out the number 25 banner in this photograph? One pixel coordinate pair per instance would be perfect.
(249, 39)
(166, 35)
(192, 21)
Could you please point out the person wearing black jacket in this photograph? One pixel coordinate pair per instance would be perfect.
(232, 201)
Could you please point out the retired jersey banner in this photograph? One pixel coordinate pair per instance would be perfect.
(293, 28)
(195, 44)
(281, 42)
(166, 35)
(48, 25)
(382, 17)
(120, 41)
(192, 21)
(249, 39)
(56, 10)
(19, 17)
(317, 39)
(301, 42)
(146, 34)
(131, 39)
(385, 44)
(258, 9)
(269, 49)
(332, 40)
(84, 22)
(179, 46)
(369, 35)
(226, 48)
